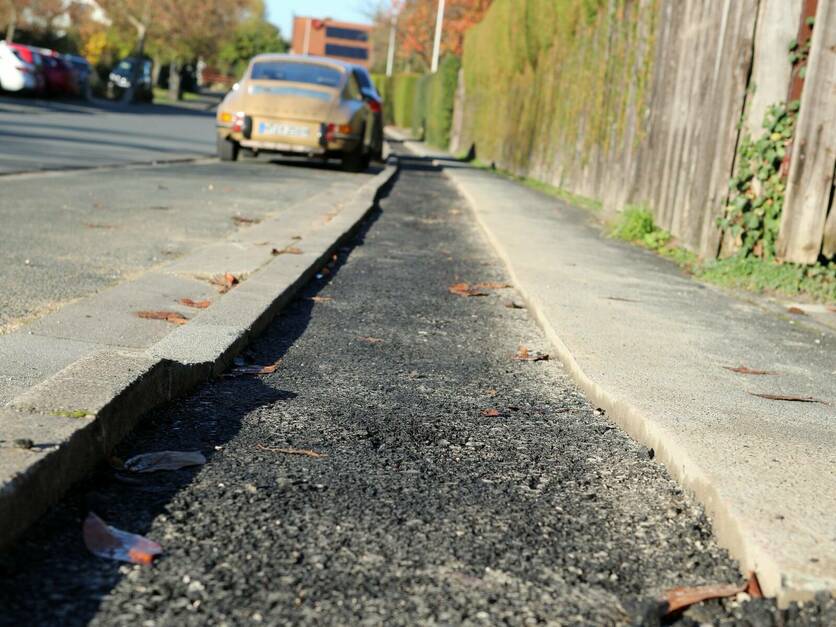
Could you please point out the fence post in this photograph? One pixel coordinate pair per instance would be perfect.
(814, 148)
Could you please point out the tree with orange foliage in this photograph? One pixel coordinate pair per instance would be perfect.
(416, 28)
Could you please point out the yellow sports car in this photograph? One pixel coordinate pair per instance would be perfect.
(302, 106)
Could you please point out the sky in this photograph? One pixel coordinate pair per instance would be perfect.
(281, 12)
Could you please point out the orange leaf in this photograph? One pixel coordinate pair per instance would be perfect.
(197, 304)
(320, 299)
(678, 599)
(370, 340)
(224, 282)
(256, 369)
(491, 413)
(287, 250)
(465, 290)
(523, 354)
(745, 370)
(169, 316)
(796, 310)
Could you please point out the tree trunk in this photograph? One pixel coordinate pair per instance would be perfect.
(11, 27)
(175, 85)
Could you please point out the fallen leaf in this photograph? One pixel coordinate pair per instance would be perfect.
(297, 237)
(619, 298)
(293, 451)
(491, 392)
(788, 397)
(169, 316)
(287, 250)
(523, 354)
(796, 310)
(493, 285)
(370, 340)
(491, 413)
(831, 308)
(224, 282)
(512, 305)
(108, 542)
(319, 299)
(164, 460)
(745, 370)
(196, 304)
(753, 587)
(255, 368)
(465, 290)
(678, 599)
(325, 271)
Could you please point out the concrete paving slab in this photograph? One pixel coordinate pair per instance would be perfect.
(653, 347)
(110, 317)
(26, 359)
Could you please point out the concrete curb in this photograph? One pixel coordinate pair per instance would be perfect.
(77, 416)
(733, 530)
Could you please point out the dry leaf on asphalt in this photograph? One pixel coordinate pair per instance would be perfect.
(196, 304)
(492, 285)
(169, 316)
(678, 599)
(319, 299)
(241, 220)
(370, 340)
(255, 368)
(224, 282)
(304, 452)
(788, 397)
(114, 544)
(287, 250)
(491, 413)
(796, 310)
(164, 460)
(523, 354)
(465, 290)
(746, 370)
(491, 392)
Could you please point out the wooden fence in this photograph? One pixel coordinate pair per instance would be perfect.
(714, 67)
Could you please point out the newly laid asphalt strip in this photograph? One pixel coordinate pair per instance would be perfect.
(424, 510)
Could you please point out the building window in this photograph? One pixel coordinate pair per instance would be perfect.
(348, 52)
(333, 32)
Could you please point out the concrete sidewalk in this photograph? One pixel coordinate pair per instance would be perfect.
(652, 347)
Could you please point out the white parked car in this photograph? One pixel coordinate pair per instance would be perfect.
(15, 73)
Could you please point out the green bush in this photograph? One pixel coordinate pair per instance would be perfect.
(402, 100)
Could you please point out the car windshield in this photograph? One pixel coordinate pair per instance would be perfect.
(296, 73)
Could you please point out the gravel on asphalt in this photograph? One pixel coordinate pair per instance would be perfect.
(428, 508)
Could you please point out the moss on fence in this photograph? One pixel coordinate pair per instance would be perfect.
(539, 73)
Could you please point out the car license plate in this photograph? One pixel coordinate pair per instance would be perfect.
(282, 129)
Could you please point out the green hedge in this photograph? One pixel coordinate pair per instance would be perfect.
(422, 103)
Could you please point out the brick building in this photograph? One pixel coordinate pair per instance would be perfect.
(346, 41)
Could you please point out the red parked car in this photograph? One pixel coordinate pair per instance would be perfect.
(60, 77)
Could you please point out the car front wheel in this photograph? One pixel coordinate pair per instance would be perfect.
(227, 149)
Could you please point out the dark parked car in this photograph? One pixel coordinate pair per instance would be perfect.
(125, 72)
(375, 102)
(83, 73)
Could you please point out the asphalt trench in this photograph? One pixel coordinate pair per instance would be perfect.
(425, 511)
